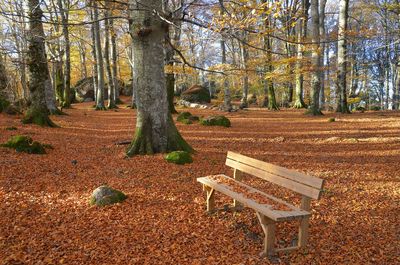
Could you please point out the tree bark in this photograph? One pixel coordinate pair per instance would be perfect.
(155, 129)
(39, 77)
(315, 60)
(342, 60)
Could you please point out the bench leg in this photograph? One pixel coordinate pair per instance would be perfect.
(210, 199)
(268, 227)
(237, 175)
(303, 232)
(303, 229)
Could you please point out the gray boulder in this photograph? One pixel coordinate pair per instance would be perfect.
(105, 195)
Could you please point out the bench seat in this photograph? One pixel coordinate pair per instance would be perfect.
(272, 207)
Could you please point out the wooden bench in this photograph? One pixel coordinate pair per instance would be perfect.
(269, 209)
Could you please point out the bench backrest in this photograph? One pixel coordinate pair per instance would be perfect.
(298, 182)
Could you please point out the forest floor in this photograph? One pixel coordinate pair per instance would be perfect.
(45, 217)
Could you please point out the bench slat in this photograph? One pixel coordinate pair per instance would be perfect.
(284, 182)
(275, 215)
(277, 170)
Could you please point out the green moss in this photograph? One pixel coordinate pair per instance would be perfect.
(111, 196)
(216, 121)
(12, 128)
(375, 108)
(183, 116)
(179, 157)
(331, 120)
(24, 144)
(3, 104)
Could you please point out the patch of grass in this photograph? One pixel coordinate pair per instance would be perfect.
(12, 128)
(179, 157)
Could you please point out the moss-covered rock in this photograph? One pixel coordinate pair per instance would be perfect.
(105, 195)
(24, 144)
(187, 118)
(216, 121)
(179, 157)
(186, 121)
(183, 116)
(12, 128)
(331, 120)
(196, 94)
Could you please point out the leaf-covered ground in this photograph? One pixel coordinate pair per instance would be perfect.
(45, 217)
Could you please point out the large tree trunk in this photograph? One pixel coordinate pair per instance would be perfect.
(301, 34)
(67, 68)
(39, 77)
(155, 129)
(342, 53)
(99, 59)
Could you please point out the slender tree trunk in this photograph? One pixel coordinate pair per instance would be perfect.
(245, 58)
(39, 77)
(342, 53)
(155, 129)
(4, 95)
(301, 35)
(315, 60)
(67, 45)
(94, 55)
(114, 58)
(322, 51)
(99, 59)
(227, 92)
(111, 89)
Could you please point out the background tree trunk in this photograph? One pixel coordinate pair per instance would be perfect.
(301, 35)
(342, 53)
(227, 92)
(315, 60)
(155, 129)
(99, 59)
(67, 69)
(111, 89)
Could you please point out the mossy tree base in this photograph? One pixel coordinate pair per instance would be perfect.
(38, 117)
(142, 143)
(100, 108)
(314, 112)
(299, 104)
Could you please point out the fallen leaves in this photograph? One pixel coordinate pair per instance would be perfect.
(44, 215)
